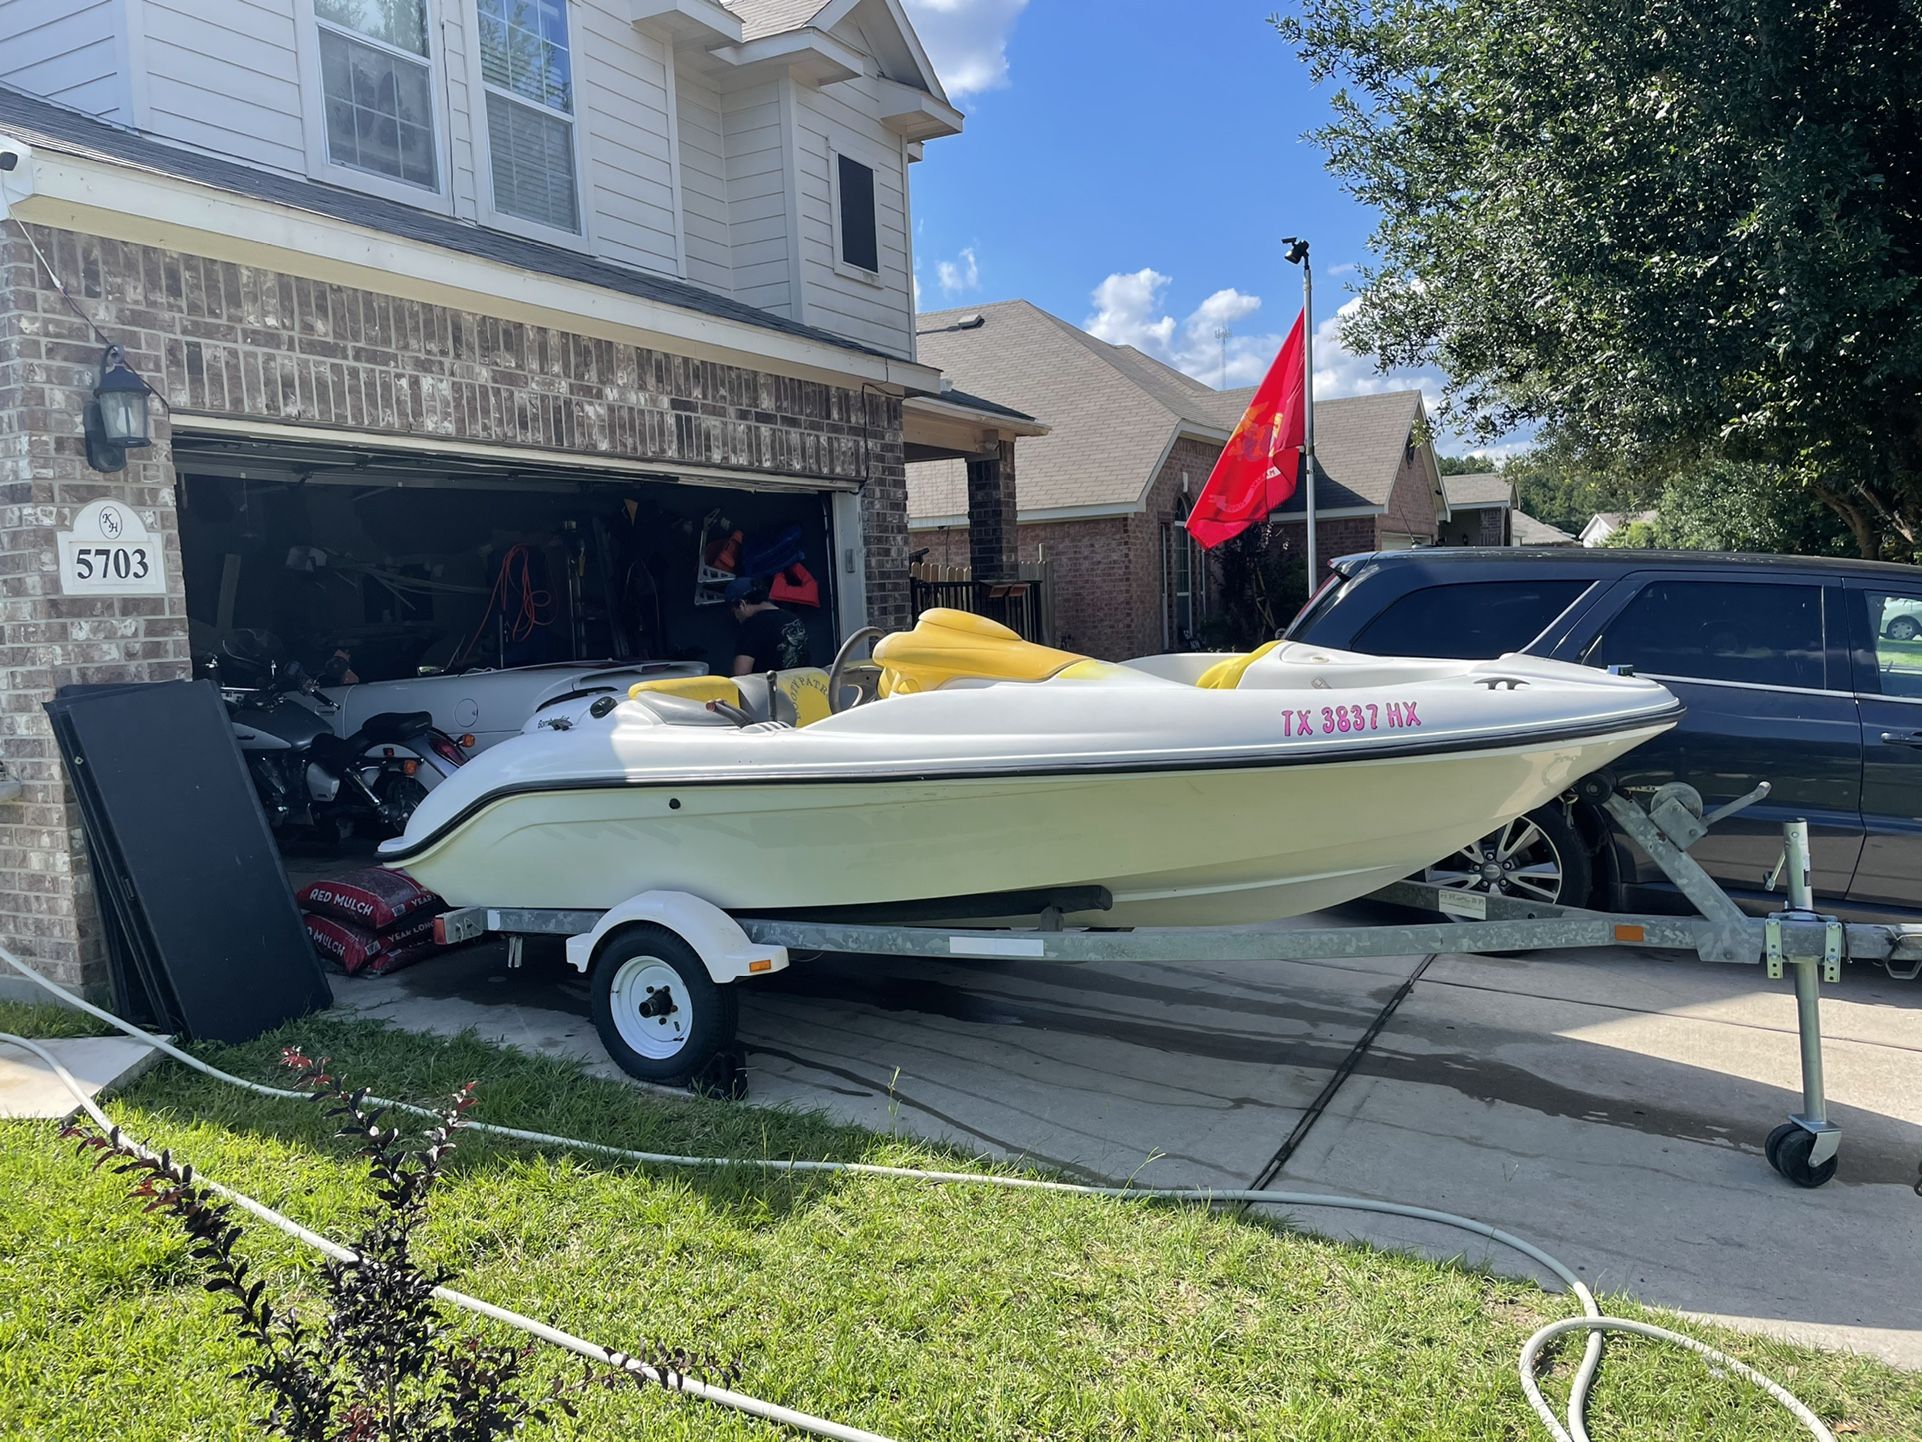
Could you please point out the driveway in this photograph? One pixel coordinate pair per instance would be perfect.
(1608, 1106)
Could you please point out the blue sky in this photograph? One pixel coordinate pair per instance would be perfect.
(1131, 165)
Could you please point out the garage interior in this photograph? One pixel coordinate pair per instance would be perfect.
(399, 563)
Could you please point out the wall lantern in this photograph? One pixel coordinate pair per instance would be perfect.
(117, 418)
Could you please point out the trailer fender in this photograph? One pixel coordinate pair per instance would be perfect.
(716, 936)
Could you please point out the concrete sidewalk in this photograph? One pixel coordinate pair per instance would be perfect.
(1609, 1107)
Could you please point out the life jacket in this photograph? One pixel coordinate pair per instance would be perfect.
(796, 586)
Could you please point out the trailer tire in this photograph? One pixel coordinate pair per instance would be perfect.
(661, 1016)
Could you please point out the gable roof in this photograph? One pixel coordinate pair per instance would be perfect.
(773, 17)
(1478, 491)
(761, 18)
(54, 128)
(1527, 531)
(1359, 445)
(1115, 411)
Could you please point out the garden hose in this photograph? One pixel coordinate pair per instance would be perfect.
(1592, 1321)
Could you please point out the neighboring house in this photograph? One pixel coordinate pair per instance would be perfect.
(416, 277)
(1604, 524)
(1482, 512)
(1104, 495)
(1481, 508)
(1525, 530)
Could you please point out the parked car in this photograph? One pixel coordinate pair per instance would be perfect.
(1802, 672)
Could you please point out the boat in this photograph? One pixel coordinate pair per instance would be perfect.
(992, 780)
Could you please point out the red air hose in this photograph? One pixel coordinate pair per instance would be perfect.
(514, 584)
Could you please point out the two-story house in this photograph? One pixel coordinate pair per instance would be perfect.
(482, 328)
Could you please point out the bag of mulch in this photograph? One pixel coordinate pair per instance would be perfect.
(359, 951)
(377, 899)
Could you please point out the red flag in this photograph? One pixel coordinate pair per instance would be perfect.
(1261, 464)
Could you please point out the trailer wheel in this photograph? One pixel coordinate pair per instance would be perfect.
(1789, 1148)
(660, 1015)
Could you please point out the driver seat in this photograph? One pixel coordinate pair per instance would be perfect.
(794, 698)
(389, 728)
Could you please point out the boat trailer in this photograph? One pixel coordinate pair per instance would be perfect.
(662, 964)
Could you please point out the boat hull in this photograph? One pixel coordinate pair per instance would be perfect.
(1212, 845)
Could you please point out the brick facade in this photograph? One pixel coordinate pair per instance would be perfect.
(991, 516)
(1110, 596)
(221, 339)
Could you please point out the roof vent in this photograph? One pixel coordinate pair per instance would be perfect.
(973, 320)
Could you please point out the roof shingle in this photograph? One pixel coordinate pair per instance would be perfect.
(1483, 488)
(773, 17)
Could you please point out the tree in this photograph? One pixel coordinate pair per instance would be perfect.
(1555, 482)
(1668, 230)
(1723, 506)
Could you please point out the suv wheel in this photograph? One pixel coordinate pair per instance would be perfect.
(1537, 857)
(1903, 628)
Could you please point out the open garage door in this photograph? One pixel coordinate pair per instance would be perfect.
(399, 562)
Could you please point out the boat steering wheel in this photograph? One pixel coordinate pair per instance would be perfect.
(841, 673)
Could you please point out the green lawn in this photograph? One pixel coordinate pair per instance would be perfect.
(917, 1311)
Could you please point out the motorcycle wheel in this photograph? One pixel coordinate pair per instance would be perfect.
(399, 795)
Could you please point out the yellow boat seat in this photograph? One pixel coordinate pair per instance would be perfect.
(694, 688)
(800, 696)
(1226, 674)
(947, 645)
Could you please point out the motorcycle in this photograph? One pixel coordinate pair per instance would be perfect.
(308, 775)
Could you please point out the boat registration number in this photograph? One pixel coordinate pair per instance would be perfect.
(1347, 719)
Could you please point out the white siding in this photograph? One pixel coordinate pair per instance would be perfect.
(841, 119)
(710, 257)
(224, 75)
(757, 202)
(66, 50)
(466, 114)
(621, 80)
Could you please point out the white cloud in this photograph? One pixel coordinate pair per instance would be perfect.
(1130, 310)
(959, 275)
(967, 40)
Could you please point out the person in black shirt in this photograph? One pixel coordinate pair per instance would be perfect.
(769, 639)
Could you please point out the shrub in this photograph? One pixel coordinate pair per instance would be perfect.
(384, 1367)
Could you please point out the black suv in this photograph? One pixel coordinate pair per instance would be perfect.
(1804, 673)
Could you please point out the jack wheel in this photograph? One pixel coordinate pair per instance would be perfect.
(1788, 1148)
(660, 1015)
(1596, 787)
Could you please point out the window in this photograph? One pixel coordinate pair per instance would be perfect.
(1895, 632)
(1761, 635)
(527, 69)
(377, 88)
(860, 239)
(1475, 621)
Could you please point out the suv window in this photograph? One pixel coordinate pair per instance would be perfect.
(1474, 621)
(1763, 635)
(1895, 639)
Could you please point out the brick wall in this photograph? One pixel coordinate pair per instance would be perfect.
(48, 362)
(1412, 502)
(1106, 573)
(992, 516)
(234, 341)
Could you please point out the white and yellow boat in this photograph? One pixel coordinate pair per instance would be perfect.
(993, 777)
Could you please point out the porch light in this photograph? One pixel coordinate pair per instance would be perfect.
(118, 419)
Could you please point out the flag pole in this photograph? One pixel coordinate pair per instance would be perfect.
(1298, 255)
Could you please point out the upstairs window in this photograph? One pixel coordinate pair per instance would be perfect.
(527, 68)
(860, 239)
(377, 88)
